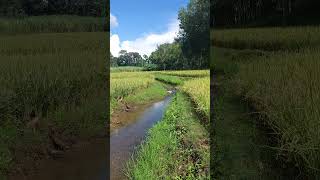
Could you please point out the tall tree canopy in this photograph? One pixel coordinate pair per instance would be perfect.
(194, 36)
(239, 13)
(13, 8)
(168, 56)
(127, 59)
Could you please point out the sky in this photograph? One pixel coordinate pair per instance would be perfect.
(141, 25)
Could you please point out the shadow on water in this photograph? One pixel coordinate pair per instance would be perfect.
(123, 141)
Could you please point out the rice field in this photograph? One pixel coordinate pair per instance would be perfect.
(199, 90)
(284, 89)
(179, 134)
(281, 85)
(56, 75)
(270, 39)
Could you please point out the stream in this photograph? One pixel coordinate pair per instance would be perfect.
(89, 161)
(125, 140)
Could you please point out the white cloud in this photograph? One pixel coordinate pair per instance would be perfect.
(113, 21)
(114, 44)
(147, 43)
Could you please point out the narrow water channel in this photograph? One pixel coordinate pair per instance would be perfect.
(125, 140)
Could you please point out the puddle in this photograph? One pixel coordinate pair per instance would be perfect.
(123, 141)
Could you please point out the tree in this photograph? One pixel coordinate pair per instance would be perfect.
(194, 36)
(113, 61)
(129, 59)
(168, 56)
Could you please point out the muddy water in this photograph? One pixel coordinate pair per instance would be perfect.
(125, 140)
(86, 162)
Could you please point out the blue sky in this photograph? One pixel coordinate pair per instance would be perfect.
(140, 25)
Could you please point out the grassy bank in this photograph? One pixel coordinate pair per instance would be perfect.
(280, 87)
(61, 77)
(54, 23)
(182, 142)
(124, 84)
(126, 69)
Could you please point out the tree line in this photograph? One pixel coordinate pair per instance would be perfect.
(190, 50)
(246, 13)
(18, 8)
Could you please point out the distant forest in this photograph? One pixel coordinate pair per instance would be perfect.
(251, 13)
(20, 8)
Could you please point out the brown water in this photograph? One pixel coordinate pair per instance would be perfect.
(125, 140)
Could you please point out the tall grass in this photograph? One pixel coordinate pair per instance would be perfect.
(284, 90)
(56, 75)
(271, 39)
(54, 23)
(123, 84)
(199, 90)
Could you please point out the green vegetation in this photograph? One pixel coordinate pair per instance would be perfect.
(123, 84)
(262, 13)
(53, 23)
(190, 49)
(279, 86)
(126, 69)
(270, 39)
(187, 73)
(61, 77)
(198, 90)
(182, 142)
(188, 142)
(173, 80)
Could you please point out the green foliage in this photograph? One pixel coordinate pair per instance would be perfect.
(195, 33)
(14, 8)
(127, 59)
(168, 56)
(54, 23)
(235, 13)
(150, 67)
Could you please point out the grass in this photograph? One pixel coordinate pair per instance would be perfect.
(200, 95)
(173, 80)
(280, 86)
(126, 69)
(53, 23)
(270, 39)
(239, 152)
(182, 142)
(123, 84)
(283, 89)
(187, 73)
(61, 76)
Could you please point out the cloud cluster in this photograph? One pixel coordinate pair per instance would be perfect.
(145, 44)
(113, 21)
